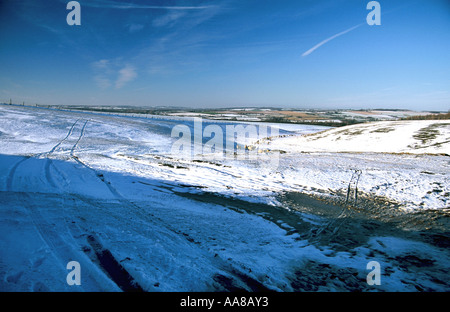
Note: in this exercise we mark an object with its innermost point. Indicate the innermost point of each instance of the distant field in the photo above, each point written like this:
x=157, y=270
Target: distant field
x=330, y=117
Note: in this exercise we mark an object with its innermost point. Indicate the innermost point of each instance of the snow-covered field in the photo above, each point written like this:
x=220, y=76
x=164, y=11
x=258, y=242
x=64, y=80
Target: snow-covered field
x=405, y=161
x=401, y=136
x=110, y=192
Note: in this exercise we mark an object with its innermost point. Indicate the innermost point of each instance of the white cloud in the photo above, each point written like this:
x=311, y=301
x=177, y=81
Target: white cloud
x=126, y=6
x=103, y=70
x=329, y=39
x=132, y=28
x=126, y=74
x=101, y=64
x=111, y=72
x=168, y=19
x=102, y=81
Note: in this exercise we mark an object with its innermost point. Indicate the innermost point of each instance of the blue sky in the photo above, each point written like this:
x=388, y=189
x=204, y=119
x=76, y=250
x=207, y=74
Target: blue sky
x=227, y=53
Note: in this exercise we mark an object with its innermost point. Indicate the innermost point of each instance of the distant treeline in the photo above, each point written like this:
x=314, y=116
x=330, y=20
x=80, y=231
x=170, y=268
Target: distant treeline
x=429, y=117
x=122, y=110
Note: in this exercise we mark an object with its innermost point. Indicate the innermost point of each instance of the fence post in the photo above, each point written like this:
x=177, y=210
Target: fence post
x=355, y=175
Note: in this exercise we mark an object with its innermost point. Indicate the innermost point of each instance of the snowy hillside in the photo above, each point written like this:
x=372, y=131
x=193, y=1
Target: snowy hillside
x=414, y=136
x=109, y=192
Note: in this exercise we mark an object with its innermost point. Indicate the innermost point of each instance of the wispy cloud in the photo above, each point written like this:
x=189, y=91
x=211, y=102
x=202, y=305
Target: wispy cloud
x=103, y=71
x=128, y=6
x=179, y=47
x=101, y=64
x=102, y=81
x=126, y=74
x=175, y=46
x=108, y=73
x=134, y=27
x=168, y=19
x=314, y=48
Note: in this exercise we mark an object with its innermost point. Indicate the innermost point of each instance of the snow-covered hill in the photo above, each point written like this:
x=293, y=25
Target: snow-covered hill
x=412, y=136
x=108, y=192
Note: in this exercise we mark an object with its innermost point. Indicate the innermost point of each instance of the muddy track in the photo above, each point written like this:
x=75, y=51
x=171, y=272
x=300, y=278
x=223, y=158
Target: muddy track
x=324, y=222
x=111, y=266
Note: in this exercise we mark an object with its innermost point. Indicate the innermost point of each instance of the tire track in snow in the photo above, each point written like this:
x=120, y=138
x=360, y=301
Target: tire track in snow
x=100, y=176
x=65, y=138
x=58, y=237
x=12, y=172
x=107, y=262
x=61, y=242
x=49, y=162
x=127, y=282
x=48, y=175
x=83, y=129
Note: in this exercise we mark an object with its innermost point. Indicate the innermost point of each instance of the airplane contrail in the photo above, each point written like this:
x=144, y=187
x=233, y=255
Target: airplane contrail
x=329, y=39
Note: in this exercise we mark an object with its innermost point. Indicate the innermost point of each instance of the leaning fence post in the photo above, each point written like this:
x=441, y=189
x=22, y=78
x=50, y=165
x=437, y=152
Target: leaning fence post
x=358, y=173
x=355, y=175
